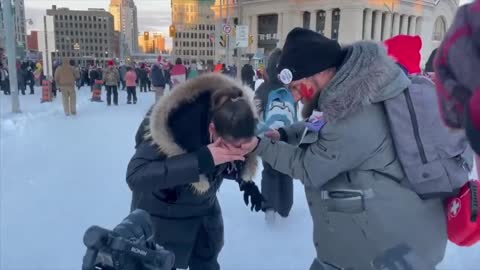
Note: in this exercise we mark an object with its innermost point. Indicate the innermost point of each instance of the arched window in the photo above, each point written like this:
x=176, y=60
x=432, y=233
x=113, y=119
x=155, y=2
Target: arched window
x=335, y=23
x=306, y=20
x=439, y=29
x=320, y=27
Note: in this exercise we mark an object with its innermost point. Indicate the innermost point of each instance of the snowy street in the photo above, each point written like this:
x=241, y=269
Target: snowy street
x=59, y=175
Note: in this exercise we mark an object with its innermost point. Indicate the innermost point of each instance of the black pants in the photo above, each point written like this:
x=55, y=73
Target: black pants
x=22, y=86
x=277, y=188
x=131, y=92
x=149, y=84
x=31, y=83
x=6, y=87
x=143, y=86
x=122, y=82
x=110, y=89
x=54, y=89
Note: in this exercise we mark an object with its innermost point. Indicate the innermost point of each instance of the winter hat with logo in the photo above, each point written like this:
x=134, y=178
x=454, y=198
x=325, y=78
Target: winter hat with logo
x=406, y=51
x=307, y=53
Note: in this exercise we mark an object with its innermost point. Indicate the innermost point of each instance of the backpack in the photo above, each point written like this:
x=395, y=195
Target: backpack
x=436, y=160
x=110, y=76
x=280, y=110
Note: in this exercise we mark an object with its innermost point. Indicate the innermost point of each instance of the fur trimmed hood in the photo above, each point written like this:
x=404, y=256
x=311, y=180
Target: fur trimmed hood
x=177, y=126
x=368, y=75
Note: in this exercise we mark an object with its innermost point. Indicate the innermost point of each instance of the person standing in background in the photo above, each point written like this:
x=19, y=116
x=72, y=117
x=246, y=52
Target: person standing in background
x=21, y=77
x=131, y=83
x=178, y=73
x=4, y=80
x=159, y=80
x=111, y=78
x=277, y=188
x=149, y=81
x=192, y=71
x=94, y=75
x=65, y=77
x=143, y=77
x=122, y=70
x=247, y=75
x=30, y=78
x=79, y=71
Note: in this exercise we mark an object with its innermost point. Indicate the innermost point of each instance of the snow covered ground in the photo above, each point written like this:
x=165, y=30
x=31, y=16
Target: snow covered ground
x=60, y=175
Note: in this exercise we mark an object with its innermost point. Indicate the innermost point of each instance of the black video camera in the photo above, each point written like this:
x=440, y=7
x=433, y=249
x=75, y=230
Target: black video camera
x=130, y=246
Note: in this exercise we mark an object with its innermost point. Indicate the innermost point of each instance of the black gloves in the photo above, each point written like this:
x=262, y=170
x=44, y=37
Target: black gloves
x=251, y=190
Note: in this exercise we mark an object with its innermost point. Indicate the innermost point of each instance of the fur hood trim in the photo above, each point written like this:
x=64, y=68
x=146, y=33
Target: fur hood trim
x=188, y=92
x=367, y=76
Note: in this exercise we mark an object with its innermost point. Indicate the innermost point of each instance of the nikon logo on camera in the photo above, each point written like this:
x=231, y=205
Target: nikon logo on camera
x=138, y=251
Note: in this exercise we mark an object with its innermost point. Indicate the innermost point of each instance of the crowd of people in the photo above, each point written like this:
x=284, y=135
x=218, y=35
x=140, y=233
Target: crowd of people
x=29, y=74
x=114, y=77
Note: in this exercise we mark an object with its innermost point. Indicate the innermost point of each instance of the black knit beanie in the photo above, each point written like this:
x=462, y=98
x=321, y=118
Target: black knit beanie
x=306, y=53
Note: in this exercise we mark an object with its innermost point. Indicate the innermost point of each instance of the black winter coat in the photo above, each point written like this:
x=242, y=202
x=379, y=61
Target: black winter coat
x=168, y=174
x=159, y=76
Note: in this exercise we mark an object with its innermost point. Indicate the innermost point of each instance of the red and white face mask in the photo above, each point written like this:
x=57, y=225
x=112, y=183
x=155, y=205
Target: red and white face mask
x=302, y=89
x=306, y=90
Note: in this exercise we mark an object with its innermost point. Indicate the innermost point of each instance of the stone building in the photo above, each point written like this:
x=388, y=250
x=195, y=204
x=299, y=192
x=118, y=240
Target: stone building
x=195, y=23
x=83, y=35
x=347, y=21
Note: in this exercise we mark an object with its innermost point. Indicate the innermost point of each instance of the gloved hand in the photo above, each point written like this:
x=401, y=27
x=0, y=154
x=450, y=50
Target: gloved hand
x=250, y=190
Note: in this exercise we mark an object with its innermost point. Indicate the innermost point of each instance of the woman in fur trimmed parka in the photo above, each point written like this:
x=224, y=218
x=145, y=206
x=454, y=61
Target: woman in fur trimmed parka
x=189, y=142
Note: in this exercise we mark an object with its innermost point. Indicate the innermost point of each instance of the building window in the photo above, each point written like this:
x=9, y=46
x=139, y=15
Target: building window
x=439, y=29
x=335, y=23
x=320, y=27
x=306, y=20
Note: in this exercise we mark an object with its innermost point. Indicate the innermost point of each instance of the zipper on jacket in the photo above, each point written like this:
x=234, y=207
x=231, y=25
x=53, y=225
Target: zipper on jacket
x=416, y=132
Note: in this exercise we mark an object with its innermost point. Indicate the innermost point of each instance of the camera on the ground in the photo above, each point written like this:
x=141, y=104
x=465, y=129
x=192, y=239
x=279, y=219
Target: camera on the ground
x=129, y=246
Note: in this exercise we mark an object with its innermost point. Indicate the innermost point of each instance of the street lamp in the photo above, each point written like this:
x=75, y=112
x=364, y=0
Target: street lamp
x=106, y=58
x=76, y=47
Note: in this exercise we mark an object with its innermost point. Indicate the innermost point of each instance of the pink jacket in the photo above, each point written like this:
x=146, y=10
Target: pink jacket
x=130, y=78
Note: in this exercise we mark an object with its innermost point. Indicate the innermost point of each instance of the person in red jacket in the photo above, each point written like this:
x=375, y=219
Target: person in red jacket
x=131, y=82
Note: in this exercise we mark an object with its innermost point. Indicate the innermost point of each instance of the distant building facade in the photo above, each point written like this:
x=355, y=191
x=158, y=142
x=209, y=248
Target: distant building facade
x=83, y=35
x=32, y=41
x=347, y=21
x=195, y=23
x=126, y=22
x=20, y=27
x=151, y=43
